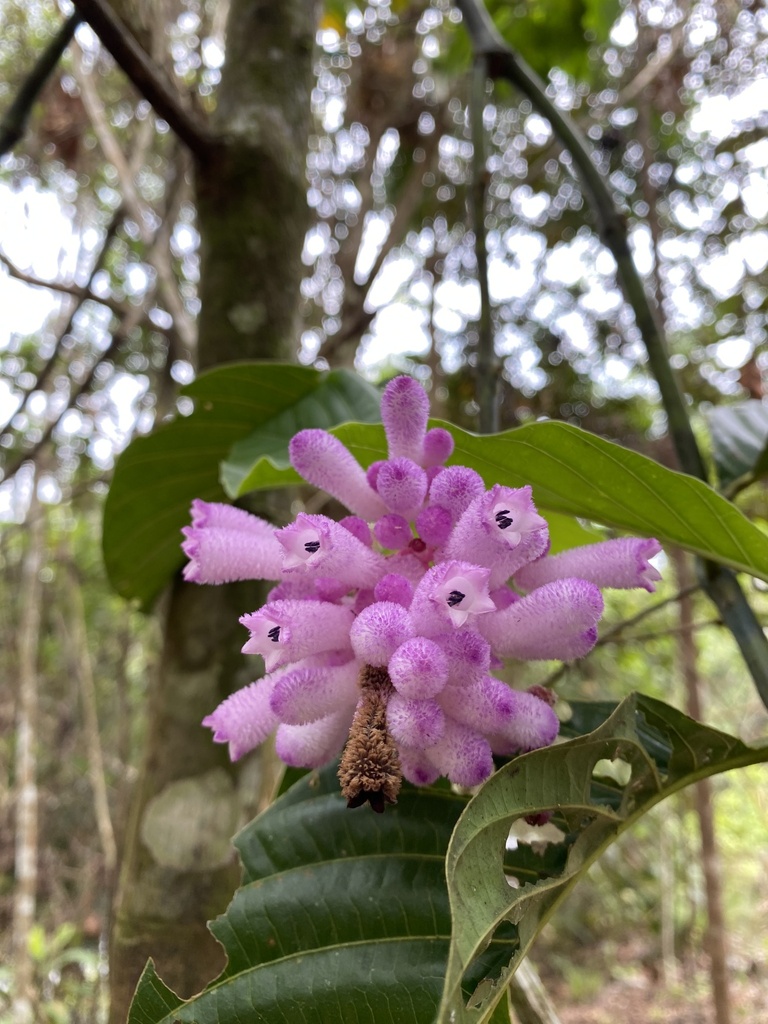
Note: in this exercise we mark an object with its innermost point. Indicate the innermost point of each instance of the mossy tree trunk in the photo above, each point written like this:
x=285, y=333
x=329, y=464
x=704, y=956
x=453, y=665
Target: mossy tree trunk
x=178, y=869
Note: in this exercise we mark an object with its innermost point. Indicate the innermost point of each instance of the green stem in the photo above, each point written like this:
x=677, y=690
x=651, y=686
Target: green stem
x=486, y=382
x=720, y=584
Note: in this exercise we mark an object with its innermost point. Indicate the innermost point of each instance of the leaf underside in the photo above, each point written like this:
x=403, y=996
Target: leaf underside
x=346, y=915
x=739, y=440
x=251, y=407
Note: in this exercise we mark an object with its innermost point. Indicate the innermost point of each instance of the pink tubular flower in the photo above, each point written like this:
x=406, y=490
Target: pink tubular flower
x=245, y=719
x=316, y=546
x=556, y=620
x=448, y=595
x=383, y=630
x=404, y=412
x=623, y=563
x=502, y=530
x=225, y=544
x=324, y=461
x=286, y=631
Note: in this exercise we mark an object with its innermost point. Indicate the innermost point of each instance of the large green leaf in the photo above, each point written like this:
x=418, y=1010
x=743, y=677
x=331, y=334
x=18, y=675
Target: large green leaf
x=579, y=474
x=254, y=407
x=346, y=916
x=739, y=440
x=491, y=890
x=343, y=915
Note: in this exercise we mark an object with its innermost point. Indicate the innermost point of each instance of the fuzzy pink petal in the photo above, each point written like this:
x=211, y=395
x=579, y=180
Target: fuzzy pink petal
x=557, y=620
x=622, y=563
x=455, y=488
x=502, y=530
x=418, y=668
x=314, y=744
x=316, y=546
x=450, y=594
x=285, y=631
x=438, y=446
x=402, y=486
x=244, y=719
x=415, y=723
x=222, y=555
x=379, y=630
x=404, y=412
x=305, y=694
x=462, y=754
x=326, y=463
x=533, y=724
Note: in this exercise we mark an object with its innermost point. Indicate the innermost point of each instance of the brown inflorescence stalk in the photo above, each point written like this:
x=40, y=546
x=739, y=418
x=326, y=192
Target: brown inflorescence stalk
x=370, y=768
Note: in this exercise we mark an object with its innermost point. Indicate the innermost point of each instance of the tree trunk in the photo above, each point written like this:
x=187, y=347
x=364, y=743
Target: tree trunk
x=716, y=935
x=178, y=869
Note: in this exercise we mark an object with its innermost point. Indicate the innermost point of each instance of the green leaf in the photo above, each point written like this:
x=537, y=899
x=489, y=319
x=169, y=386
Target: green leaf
x=346, y=915
x=157, y=476
x=579, y=474
x=342, y=916
x=739, y=440
x=590, y=811
x=557, y=33
x=343, y=397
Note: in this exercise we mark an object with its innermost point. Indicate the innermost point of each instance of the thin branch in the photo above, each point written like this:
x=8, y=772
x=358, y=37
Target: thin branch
x=653, y=68
x=80, y=292
x=140, y=211
x=650, y=609
x=75, y=633
x=143, y=73
x=354, y=323
x=14, y=121
x=504, y=63
x=109, y=145
x=42, y=377
x=27, y=796
x=720, y=584
x=132, y=319
x=486, y=381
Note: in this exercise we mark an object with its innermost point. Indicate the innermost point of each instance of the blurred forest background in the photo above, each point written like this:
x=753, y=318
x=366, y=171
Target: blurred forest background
x=111, y=300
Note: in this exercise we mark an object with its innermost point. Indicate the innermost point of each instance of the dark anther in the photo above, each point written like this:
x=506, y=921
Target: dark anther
x=455, y=597
x=417, y=545
x=274, y=634
x=503, y=519
x=373, y=797
x=312, y=546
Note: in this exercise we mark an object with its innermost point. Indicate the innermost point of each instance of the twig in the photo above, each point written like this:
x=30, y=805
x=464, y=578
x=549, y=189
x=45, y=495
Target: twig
x=504, y=63
x=157, y=255
x=77, y=291
x=27, y=796
x=486, y=380
x=131, y=320
x=354, y=323
x=657, y=61
x=720, y=584
x=14, y=121
x=648, y=610
x=45, y=372
x=143, y=74
x=74, y=630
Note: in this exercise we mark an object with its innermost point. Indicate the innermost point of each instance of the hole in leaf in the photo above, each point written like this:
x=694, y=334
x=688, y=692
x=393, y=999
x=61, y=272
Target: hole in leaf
x=617, y=769
x=482, y=975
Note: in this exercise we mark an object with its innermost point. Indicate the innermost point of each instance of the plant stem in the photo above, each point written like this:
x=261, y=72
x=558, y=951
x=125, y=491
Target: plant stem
x=720, y=584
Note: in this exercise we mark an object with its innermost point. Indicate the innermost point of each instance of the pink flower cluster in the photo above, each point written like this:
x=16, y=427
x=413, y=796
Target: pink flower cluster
x=385, y=628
